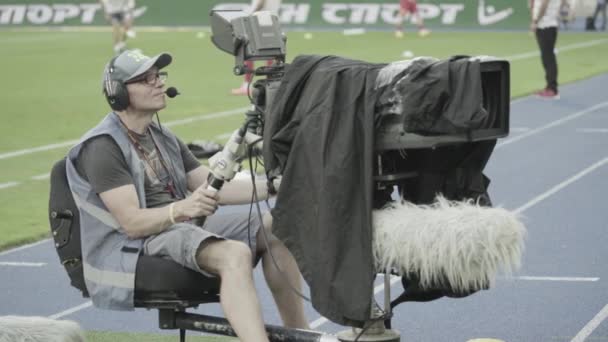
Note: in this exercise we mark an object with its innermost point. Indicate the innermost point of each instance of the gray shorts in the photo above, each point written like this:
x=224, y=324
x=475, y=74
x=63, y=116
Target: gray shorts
x=181, y=241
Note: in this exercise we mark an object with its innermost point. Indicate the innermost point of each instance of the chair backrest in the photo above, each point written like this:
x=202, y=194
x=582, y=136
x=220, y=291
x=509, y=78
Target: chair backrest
x=65, y=226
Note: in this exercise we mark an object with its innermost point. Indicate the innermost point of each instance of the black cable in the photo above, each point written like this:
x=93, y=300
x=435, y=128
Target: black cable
x=257, y=204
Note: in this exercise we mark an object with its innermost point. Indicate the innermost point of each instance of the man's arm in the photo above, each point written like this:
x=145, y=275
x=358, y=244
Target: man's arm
x=123, y=204
x=541, y=11
x=237, y=191
x=103, y=165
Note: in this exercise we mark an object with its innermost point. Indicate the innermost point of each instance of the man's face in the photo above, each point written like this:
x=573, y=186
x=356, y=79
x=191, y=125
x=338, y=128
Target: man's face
x=146, y=92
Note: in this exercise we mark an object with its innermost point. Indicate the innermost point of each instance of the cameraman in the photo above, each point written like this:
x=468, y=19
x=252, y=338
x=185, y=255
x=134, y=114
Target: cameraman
x=137, y=187
x=256, y=5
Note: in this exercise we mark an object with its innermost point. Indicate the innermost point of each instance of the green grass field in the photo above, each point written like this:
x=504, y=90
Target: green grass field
x=51, y=91
x=51, y=94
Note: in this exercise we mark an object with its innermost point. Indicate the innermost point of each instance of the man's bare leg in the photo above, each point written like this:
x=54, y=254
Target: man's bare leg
x=232, y=261
x=280, y=282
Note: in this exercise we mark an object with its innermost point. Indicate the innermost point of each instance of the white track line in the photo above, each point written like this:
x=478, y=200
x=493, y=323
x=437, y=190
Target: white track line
x=594, y=323
x=592, y=130
x=563, y=120
x=535, y=278
x=379, y=288
x=203, y=117
x=560, y=186
x=22, y=264
x=20, y=248
x=71, y=310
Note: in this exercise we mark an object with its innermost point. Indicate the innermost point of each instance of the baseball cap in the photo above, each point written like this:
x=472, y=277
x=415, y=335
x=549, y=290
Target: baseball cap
x=132, y=63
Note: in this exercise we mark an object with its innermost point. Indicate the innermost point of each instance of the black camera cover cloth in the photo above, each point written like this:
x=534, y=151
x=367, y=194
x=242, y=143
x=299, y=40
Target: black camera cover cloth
x=319, y=134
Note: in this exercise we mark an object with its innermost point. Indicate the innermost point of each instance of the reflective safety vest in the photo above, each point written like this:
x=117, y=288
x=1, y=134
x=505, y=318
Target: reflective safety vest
x=109, y=257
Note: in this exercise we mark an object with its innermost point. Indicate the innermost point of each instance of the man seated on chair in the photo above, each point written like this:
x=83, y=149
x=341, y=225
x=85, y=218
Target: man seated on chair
x=138, y=188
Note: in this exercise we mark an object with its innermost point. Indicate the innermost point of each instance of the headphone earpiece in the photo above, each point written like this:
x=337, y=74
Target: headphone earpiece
x=115, y=91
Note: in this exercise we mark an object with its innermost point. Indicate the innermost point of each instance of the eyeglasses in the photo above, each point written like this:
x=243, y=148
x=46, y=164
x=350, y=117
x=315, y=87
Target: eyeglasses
x=151, y=78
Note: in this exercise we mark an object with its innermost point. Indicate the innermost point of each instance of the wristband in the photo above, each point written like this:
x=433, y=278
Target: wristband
x=171, y=217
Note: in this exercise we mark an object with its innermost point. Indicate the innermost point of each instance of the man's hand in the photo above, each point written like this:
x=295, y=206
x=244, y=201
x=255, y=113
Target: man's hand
x=533, y=26
x=202, y=202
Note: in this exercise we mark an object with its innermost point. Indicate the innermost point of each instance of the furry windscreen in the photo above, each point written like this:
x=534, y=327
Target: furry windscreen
x=459, y=245
x=38, y=329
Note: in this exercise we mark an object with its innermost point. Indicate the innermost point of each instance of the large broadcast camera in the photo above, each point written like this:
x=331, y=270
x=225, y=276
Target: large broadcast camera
x=419, y=164
x=247, y=38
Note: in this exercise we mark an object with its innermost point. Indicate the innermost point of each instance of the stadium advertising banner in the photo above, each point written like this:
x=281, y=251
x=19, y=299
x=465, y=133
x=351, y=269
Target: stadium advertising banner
x=313, y=14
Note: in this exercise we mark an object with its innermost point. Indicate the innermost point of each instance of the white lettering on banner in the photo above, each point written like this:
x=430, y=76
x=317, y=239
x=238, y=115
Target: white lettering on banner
x=330, y=13
x=450, y=11
x=88, y=12
x=352, y=13
x=40, y=14
x=357, y=13
x=15, y=13
x=294, y=13
x=364, y=13
x=63, y=12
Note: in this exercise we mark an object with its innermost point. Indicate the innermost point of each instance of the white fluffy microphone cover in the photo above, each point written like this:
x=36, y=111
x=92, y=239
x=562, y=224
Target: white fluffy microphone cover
x=460, y=245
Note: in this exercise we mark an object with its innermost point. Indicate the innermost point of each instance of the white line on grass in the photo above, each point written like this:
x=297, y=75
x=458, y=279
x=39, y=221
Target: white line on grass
x=8, y=185
x=42, y=176
x=203, y=117
x=322, y=320
x=535, y=278
x=71, y=310
x=22, y=264
x=594, y=323
x=563, y=120
x=560, y=186
x=7, y=155
x=576, y=46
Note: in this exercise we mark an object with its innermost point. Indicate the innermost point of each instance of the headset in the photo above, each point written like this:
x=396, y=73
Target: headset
x=115, y=91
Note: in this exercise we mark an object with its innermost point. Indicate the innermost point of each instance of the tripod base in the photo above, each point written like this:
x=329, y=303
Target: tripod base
x=388, y=335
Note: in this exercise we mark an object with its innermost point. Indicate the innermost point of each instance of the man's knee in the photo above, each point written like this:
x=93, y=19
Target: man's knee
x=223, y=256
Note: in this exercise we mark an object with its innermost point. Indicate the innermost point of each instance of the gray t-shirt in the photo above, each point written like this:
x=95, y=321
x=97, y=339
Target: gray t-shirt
x=103, y=165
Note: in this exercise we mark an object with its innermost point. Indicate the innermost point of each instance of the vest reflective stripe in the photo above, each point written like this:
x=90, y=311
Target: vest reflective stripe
x=108, y=278
x=96, y=212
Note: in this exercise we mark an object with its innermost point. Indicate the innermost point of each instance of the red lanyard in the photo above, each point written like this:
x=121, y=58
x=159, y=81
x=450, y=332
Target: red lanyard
x=142, y=153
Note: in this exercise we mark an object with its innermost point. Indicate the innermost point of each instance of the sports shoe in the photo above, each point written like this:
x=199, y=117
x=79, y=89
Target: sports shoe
x=242, y=90
x=399, y=34
x=548, y=94
x=423, y=32
x=131, y=34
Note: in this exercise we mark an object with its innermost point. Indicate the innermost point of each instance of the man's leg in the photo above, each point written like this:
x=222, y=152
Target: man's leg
x=231, y=260
x=283, y=282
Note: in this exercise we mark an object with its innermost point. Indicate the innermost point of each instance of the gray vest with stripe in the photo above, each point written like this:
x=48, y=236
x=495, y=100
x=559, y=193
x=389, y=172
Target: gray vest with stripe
x=109, y=256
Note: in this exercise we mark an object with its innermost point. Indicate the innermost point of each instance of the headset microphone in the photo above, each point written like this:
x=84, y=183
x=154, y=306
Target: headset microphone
x=172, y=92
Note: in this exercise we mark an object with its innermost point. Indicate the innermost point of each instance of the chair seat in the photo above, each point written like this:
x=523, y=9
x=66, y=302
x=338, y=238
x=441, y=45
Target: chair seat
x=158, y=279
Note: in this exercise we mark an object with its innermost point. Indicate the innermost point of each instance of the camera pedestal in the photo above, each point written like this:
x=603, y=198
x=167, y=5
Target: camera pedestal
x=374, y=329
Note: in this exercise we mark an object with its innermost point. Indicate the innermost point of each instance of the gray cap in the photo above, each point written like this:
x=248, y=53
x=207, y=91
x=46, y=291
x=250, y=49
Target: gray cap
x=132, y=63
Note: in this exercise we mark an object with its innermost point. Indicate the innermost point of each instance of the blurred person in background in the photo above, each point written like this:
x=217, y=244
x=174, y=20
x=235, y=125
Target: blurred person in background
x=600, y=7
x=256, y=5
x=409, y=9
x=120, y=14
x=544, y=24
